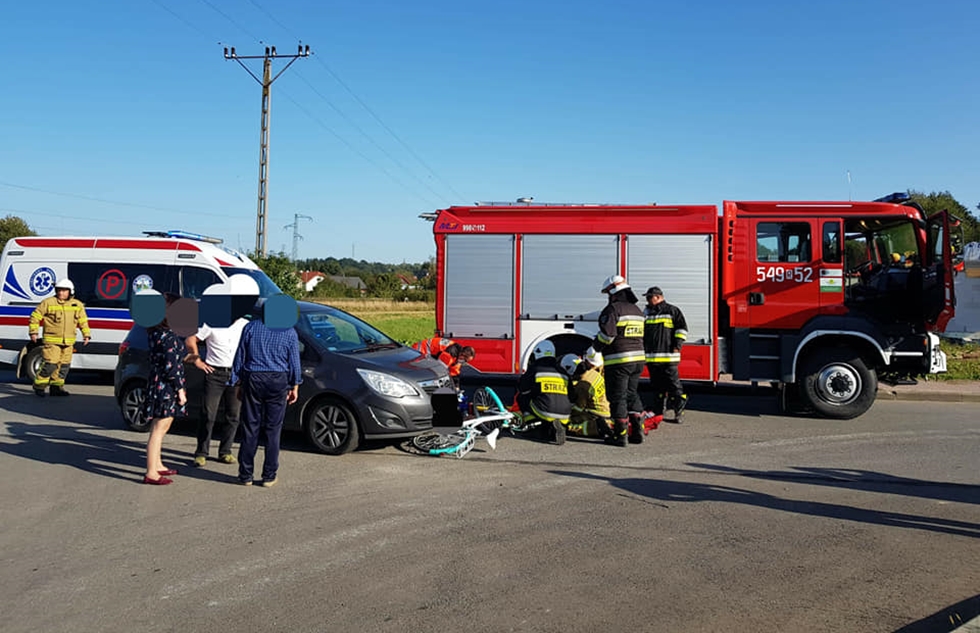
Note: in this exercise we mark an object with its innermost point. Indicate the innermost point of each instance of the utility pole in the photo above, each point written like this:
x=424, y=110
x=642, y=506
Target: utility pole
x=266, y=83
x=296, y=236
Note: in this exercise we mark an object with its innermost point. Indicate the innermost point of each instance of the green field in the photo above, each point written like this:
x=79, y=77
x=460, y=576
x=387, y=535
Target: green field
x=406, y=322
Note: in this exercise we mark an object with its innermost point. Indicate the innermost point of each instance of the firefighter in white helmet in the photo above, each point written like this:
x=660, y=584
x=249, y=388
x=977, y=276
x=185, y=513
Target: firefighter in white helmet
x=542, y=393
x=620, y=341
x=62, y=315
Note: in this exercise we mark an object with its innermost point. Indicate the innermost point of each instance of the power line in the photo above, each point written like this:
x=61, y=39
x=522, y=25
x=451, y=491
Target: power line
x=364, y=105
x=66, y=217
x=296, y=236
x=372, y=141
x=135, y=205
x=266, y=83
x=357, y=151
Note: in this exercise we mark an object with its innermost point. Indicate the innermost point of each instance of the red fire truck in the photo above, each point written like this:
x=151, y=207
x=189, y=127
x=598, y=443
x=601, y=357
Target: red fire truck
x=818, y=298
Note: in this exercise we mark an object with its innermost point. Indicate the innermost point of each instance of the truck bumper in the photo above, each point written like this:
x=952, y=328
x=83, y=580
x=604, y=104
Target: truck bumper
x=937, y=357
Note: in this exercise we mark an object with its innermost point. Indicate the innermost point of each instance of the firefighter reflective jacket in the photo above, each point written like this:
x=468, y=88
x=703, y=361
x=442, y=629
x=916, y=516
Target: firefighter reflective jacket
x=444, y=350
x=620, y=337
x=590, y=393
x=544, y=387
x=664, y=332
x=61, y=319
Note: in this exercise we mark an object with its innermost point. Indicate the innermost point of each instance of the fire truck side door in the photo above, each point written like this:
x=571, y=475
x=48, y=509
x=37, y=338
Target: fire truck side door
x=831, y=271
x=783, y=283
x=939, y=298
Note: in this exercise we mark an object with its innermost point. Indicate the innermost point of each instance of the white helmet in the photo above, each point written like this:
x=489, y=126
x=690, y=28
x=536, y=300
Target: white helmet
x=66, y=283
x=614, y=283
x=569, y=362
x=543, y=349
x=593, y=357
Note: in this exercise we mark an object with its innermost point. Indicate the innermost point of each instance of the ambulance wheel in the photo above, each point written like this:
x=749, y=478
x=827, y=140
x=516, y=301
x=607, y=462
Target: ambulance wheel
x=131, y=406
x=837, y=383
x=33, y=361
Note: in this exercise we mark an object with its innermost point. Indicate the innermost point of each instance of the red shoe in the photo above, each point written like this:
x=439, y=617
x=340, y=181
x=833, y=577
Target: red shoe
x=162, y=481
x=168, y=472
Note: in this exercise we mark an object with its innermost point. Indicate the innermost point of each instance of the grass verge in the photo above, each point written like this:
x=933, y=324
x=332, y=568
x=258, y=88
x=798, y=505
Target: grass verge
x=962, y=361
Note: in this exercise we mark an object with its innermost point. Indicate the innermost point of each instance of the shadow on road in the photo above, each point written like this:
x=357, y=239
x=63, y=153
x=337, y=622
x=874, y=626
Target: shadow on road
x=81, y=448
x=681, y=491
x=946, y=620
x=863, y=480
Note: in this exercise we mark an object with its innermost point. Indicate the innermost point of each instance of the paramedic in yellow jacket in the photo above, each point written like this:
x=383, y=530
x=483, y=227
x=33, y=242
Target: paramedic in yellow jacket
x=62, y=315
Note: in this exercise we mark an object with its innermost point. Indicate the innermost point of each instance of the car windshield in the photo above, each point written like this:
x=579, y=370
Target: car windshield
x=267, y=287
x=337, y=331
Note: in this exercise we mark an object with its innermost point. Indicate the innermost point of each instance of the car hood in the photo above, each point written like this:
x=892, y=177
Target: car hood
x=403, y=362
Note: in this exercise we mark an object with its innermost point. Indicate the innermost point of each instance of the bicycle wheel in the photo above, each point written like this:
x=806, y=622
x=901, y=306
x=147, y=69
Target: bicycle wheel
x=486, y=400
x=434, y=443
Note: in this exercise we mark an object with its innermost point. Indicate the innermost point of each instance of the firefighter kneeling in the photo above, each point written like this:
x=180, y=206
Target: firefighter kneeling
x=590, y=408
x=542, y=394
x=590, y=415
x=62, y=315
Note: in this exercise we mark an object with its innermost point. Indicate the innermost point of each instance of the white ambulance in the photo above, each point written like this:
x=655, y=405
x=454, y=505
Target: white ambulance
x=106, y=271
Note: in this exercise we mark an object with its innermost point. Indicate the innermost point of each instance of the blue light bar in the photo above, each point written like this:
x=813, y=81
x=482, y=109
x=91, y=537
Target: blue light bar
x=896, y=198
x=185, y=235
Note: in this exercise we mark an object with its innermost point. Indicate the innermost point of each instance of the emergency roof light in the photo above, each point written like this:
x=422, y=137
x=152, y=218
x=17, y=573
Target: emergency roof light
x=895, y=198
x=185, y=235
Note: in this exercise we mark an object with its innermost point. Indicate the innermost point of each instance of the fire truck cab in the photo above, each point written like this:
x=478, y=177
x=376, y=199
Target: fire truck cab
x=819, y=298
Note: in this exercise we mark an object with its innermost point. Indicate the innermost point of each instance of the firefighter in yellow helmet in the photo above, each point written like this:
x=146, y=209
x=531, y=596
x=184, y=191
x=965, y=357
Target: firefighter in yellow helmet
x=62, y=315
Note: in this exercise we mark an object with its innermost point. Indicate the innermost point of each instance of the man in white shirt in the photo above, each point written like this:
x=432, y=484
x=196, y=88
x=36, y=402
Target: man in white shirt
x=221, y=342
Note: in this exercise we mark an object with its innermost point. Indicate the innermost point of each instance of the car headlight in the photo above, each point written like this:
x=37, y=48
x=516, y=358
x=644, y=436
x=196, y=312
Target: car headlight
x=386, y=384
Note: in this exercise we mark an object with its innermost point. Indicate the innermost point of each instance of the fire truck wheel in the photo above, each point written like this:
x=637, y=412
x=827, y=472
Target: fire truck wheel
x=32, y=363
x=331, y=427
x=837, y=383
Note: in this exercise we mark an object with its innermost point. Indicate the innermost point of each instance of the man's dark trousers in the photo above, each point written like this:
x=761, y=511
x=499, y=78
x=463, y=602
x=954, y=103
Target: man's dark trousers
x=666, y=384
x=622, y=385
x=263, y=410
x=216, y=391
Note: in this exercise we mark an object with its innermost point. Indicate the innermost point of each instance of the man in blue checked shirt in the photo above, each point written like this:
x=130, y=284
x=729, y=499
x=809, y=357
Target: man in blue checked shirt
x=266, y=374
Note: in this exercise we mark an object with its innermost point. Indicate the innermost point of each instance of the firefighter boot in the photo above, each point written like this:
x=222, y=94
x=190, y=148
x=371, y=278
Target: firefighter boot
x=559, y=432
x=636, y=428
x=679, y=404
x=618, y=437
x=659, y=400
x=58, y=390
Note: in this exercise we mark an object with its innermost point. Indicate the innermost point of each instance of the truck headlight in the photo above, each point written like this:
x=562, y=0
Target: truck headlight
x=386, y=384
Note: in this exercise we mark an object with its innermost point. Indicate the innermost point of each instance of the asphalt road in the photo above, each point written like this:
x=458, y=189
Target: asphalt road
x=738, y=520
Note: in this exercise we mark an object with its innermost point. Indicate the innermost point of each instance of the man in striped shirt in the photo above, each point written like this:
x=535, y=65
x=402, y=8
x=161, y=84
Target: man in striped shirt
x=266, y=374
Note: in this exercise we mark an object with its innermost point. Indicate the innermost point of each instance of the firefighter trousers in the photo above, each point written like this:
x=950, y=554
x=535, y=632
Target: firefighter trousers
x=57, y=362
x=666, y=384
x=622, y=385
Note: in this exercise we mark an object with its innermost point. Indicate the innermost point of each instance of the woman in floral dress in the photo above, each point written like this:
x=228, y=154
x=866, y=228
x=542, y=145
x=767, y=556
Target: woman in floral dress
x=165, y=395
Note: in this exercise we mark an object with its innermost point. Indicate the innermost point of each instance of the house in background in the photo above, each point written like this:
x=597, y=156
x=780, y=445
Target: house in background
x=350, y=282
x=310, y=278
x=407, y=282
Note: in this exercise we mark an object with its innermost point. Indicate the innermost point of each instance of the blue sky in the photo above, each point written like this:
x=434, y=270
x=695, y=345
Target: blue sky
x=128, y=109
